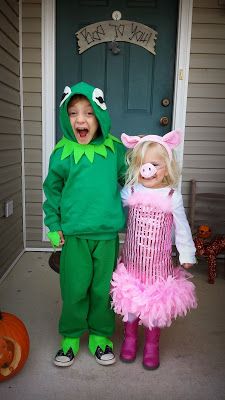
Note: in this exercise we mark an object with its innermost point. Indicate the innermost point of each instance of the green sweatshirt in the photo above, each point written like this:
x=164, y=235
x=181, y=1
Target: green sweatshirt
x=81, y=188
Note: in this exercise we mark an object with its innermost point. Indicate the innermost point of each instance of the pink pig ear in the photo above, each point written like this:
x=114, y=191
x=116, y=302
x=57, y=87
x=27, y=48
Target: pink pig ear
x=173, y=138
x=130, y=141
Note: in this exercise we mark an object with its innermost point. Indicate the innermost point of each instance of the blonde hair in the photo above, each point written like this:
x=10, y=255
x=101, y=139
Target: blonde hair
x=135, y=158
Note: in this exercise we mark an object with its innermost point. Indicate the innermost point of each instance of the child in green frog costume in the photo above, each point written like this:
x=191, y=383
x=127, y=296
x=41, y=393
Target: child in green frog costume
x=84, y=214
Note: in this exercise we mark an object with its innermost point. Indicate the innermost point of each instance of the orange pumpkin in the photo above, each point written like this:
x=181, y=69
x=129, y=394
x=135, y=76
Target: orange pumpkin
x=14, y=345
x=204, y=231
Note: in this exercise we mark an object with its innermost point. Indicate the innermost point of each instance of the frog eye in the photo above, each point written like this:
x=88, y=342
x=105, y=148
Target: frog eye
x=65, y=95
x=98, y=98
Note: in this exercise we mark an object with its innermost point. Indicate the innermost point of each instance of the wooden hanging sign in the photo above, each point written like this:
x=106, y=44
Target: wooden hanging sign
x=116, y=31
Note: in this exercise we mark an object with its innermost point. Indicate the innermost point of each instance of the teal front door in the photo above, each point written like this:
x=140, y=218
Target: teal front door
x=138, y=85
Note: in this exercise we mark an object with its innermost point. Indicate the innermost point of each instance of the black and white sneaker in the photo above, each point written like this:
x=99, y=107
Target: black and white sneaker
x=64, y=360
x=106, y=357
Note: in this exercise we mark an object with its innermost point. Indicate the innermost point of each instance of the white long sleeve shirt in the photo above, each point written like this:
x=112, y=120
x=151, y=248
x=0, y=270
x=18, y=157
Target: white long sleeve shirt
x=182, y=232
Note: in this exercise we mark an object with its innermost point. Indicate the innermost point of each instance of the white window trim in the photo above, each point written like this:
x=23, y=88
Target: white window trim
x=49, y=87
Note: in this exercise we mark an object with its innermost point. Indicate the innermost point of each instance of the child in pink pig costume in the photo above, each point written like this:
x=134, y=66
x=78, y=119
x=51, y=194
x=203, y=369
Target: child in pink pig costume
x=146, y=288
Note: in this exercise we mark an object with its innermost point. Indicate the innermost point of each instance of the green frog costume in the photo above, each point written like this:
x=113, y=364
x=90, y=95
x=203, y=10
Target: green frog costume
x=83, y=201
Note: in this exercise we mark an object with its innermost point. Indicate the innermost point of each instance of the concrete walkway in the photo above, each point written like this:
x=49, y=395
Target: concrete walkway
x=192, y=349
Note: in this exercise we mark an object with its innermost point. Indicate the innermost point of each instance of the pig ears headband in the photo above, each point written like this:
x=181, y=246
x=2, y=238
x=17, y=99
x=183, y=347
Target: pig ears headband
x=168, y=141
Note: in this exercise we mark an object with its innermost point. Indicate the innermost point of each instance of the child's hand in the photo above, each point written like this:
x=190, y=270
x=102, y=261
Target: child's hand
x=187, y=266
x=62, y=240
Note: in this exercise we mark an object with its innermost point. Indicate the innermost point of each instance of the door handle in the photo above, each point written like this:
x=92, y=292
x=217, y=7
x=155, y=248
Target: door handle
x=164, y=121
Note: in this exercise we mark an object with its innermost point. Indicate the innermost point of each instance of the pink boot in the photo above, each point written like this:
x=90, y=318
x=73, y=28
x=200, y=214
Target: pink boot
x=129, y=345
x=151, y=348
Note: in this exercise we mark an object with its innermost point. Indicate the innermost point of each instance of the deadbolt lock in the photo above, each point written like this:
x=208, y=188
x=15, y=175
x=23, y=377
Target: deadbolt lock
x=165, y=102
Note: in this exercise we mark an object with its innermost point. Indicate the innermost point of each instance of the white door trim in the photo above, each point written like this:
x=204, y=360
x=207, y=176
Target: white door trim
x=49, y=88
x=182, y=70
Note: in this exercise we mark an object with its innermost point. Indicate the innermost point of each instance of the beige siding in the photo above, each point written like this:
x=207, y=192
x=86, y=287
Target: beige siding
x=32, y=120
x=11, y=228
x=204, y=150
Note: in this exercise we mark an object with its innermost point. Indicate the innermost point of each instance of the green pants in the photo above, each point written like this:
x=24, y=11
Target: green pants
x=86, y=268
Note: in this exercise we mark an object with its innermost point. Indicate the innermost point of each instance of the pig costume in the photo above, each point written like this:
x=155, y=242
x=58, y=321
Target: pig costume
x=145, y=283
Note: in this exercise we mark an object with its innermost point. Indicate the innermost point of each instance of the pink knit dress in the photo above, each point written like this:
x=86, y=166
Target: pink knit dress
x=145, y=282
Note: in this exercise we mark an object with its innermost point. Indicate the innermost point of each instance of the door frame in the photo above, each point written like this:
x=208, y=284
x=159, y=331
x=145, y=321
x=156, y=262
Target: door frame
x=48, y=46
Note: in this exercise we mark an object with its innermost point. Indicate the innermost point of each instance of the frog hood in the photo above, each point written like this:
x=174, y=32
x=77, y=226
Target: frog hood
x=96, y=98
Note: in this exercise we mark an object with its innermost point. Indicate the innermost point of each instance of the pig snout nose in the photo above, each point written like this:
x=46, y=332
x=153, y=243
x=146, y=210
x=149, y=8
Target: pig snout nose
x=147, y=170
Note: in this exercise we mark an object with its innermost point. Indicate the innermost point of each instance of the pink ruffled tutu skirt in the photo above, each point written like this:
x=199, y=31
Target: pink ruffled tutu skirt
x=156, y=304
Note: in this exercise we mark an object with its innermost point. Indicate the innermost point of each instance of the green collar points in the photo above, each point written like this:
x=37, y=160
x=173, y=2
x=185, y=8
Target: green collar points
x=88, y=150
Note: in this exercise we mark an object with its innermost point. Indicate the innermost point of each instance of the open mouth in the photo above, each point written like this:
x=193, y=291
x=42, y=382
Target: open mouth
x=82, y=132
x=149, y=179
